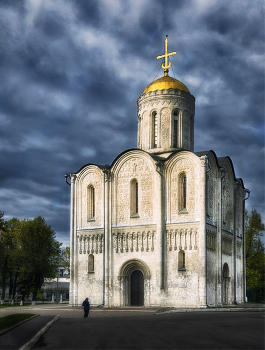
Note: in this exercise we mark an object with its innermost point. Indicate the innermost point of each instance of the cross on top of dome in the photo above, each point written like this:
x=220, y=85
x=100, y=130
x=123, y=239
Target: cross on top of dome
x=166, y=64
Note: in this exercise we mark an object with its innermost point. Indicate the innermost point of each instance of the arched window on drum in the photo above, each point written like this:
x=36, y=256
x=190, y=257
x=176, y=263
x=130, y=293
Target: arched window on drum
x=90, y=203
x=175, y=129
x=154, y=130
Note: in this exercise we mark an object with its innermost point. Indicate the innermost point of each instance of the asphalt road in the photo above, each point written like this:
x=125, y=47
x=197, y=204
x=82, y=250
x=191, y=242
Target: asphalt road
x=192, y=330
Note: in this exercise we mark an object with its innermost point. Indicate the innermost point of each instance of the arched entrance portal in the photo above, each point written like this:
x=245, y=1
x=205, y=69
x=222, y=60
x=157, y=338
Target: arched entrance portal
x=134, y=277
x=225, y=286
x=137, y=288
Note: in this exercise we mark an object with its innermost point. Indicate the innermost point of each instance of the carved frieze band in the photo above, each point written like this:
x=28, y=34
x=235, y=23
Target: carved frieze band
x=182, y=239
x=227, y=245
x=90, y=243
x=239, y=249
x=133, y=241
x=175, y=102
x=211, y=240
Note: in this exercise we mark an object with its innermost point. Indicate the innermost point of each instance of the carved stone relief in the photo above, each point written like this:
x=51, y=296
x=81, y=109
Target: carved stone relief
x=139, y=169
x=227, y=244
x=187, y=166
x=239, y=211
x=185, y=130
x=92, y=178
x=165, y=127
x=182, y=239
x=210, y=197
x=133, y=241
x=227, y=201
x=211, y=240
x=144, y=136
x=239, y=249
x=91, y=243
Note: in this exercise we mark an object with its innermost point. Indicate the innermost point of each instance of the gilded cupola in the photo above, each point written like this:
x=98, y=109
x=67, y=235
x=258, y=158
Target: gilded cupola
x=166, y=113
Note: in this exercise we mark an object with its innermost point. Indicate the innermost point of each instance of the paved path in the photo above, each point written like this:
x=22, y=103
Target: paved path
x=192, y=330
x=138, y=328
x=22, y=334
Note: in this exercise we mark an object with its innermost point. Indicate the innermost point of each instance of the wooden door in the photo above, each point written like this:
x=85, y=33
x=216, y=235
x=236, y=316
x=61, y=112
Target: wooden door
x=137, y=288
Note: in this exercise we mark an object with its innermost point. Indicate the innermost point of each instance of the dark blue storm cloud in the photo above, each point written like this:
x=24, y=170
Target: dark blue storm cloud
x=71, y=72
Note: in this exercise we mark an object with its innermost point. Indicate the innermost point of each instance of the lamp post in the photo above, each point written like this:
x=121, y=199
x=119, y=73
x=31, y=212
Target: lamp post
x=57, y=297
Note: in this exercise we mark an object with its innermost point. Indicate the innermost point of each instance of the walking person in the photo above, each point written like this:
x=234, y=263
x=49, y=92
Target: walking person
x=86, y=305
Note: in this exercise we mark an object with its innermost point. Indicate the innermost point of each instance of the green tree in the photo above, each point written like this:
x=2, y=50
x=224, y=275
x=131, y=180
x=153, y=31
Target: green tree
x=65, y=261
x=8, y=257
x=13, y=228
x=3, y=255
x=255, y=257
x=38, y=255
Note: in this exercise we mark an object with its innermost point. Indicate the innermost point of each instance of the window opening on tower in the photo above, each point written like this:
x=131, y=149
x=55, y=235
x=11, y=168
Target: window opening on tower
x=175, y=130
x=155, y=130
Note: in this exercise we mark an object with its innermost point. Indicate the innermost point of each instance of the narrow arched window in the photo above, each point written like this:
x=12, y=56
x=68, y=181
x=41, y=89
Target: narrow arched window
x=134, y=198
x=175, y=129
x=207, y=193
x=181, y=260
x=183, y=192
x=184, y=189
x=154, y=130
x=90, y=263
x=90, y=202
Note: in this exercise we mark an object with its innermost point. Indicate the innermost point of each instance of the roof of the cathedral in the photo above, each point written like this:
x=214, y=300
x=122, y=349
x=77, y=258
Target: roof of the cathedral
x=166, y=83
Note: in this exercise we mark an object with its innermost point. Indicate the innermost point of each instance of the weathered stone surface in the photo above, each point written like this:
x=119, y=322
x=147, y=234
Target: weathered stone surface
x=172, y=214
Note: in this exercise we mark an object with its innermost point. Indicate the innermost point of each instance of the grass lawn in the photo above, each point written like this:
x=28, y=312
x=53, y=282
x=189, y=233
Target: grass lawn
x=16, y=304
x=11, y=320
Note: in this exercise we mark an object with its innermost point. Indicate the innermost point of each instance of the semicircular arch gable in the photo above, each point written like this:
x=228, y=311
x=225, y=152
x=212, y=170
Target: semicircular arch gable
x=179, y=157
x=91, y=169
x=228, y=165
x=135, y=154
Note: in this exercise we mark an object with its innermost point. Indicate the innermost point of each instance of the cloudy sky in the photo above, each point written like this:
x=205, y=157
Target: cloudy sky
x=72, y=70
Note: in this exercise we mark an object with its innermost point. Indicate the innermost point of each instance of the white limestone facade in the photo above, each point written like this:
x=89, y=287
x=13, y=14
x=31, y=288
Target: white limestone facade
x=162, y=225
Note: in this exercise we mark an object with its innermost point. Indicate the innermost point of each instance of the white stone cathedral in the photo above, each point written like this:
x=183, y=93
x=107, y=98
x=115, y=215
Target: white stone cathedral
x=163, y=225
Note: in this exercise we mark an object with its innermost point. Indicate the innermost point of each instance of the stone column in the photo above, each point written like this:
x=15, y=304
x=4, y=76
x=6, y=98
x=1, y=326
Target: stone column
x=160, y=227
x=107, y=233
x=73, y=243
x=218, y=300
x=202, y=235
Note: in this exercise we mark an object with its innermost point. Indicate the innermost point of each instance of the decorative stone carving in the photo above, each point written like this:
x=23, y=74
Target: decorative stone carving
x=211, y=240
x=227, y=199
x=133, y=241
x=239, y=248
x=186, y=130
x=210, y=196
x=182, y=239
x=91, y=243
x=183, y=166
x=92, y=177
x=140, y=170
x=165, y=127
x=226, y=244
x=164, y=102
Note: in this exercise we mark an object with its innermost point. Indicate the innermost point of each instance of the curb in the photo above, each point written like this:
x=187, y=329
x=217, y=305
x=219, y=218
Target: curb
x=16, y=325
x=211, y=310
x=36, y=337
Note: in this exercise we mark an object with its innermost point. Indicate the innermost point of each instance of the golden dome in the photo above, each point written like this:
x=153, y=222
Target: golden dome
x=166, y=83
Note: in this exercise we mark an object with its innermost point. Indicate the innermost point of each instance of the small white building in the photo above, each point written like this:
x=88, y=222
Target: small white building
x=163, y=225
